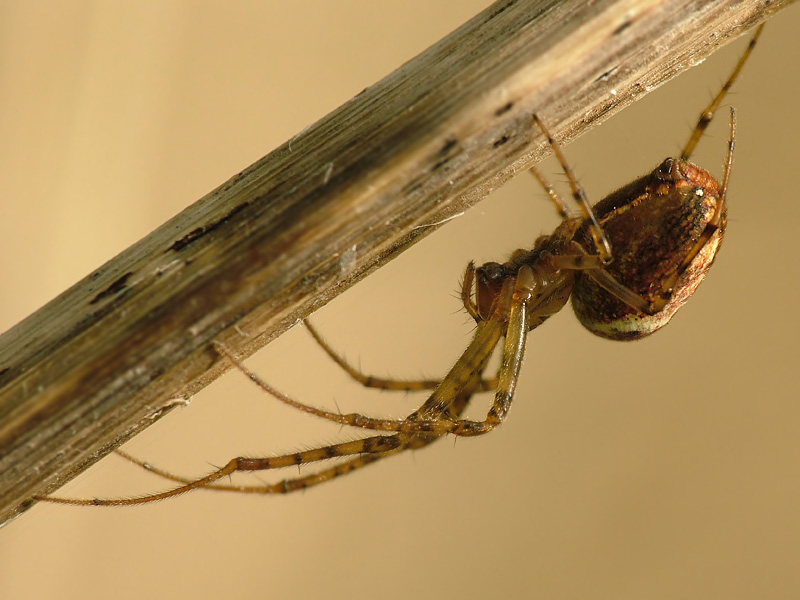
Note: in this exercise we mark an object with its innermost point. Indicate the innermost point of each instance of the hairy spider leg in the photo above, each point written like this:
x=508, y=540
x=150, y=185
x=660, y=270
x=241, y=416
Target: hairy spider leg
x=708, y=113
x=600, y=239
x=403, y=441
x=370, y=381
x=285, y=486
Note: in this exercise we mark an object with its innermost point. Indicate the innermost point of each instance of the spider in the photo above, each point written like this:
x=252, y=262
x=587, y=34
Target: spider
x=628, y=264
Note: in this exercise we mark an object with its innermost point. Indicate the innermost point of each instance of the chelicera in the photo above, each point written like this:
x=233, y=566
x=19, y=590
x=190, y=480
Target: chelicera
x=628, y=263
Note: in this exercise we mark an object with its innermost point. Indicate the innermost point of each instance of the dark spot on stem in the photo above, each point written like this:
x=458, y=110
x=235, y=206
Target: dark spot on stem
x=504, y=109
x=115, y=288
x=449, y=144
x=196, y=234
x=500, y=141
x=445, y=153
x=440, y=164
x=606, y=75
x=622, y=27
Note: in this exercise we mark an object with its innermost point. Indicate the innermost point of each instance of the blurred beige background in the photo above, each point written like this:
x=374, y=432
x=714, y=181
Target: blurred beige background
x=666, y=468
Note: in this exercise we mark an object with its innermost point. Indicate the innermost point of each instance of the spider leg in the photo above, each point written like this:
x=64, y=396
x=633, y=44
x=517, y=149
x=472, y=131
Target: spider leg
x=708, y=112
x=561, y=206
x=453, y=410
x=377, y=445
x=306, y=481
x=408, y=385
x=515, y=305
x=473, y=360
x=594, y=267
x=432, y=420
x=280, y=487
x=600, y=239
x=513, y=301
x=368, y=450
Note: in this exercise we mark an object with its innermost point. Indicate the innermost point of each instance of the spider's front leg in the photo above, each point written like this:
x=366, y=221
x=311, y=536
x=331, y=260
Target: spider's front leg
x=509, y=317
x=513, y=352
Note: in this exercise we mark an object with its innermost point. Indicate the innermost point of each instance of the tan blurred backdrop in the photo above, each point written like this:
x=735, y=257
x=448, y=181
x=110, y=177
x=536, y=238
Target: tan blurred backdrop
x=666, y=468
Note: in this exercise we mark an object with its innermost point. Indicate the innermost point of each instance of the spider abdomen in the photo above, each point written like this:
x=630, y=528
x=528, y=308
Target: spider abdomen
x=664, y=232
